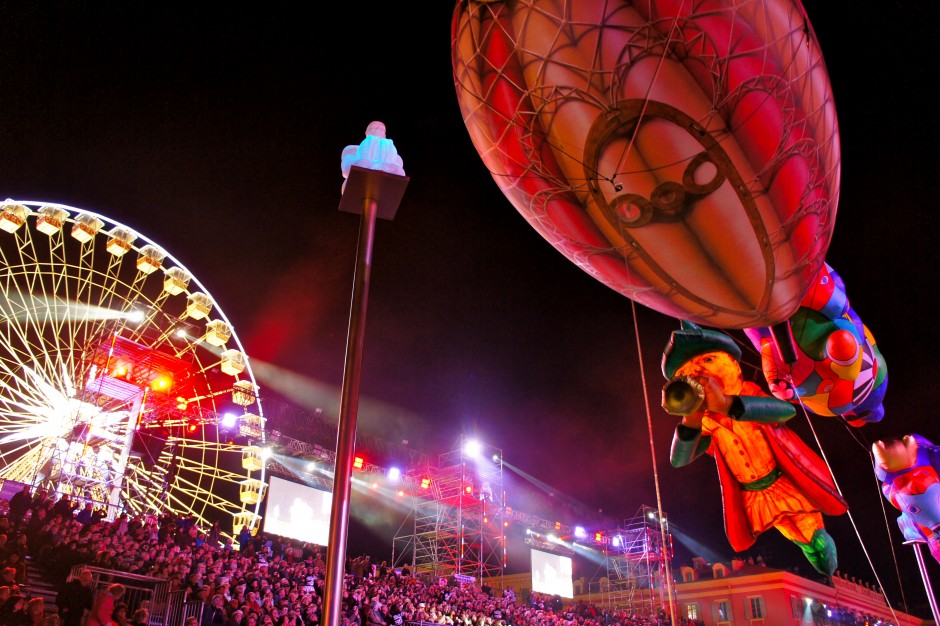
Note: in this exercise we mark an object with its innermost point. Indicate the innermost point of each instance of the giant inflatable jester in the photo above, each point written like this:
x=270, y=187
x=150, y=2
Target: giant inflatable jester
x=769, y=477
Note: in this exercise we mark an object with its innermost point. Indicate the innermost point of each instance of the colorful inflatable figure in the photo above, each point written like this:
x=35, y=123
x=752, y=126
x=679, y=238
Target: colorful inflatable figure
x=837, y=368
x=908, y=469
x=769, y=477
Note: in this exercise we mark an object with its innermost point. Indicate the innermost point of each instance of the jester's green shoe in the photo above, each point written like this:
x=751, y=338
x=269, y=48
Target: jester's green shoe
x=821, y=552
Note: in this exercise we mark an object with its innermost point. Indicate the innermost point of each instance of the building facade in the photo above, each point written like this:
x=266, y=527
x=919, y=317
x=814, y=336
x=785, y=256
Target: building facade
x=747, y=594
x=743, y=594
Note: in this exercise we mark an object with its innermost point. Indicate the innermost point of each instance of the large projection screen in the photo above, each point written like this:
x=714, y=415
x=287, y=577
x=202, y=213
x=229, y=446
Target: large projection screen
x=551, y=574
x=298, y=512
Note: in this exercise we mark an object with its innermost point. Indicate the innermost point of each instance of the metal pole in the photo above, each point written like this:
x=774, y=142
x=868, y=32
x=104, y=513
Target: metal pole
x=349, y=407
x=931, y=599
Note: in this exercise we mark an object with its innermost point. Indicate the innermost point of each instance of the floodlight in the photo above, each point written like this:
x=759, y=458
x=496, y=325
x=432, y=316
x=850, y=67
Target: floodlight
x=472, y=448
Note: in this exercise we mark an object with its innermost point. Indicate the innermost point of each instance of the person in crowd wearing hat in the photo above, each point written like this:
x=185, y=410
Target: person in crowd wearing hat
x=375, y=616
x=237, y=618
x=769, y=477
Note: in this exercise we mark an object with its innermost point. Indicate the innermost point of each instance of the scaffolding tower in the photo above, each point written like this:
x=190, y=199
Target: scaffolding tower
x=638, y=557
x=117, y=396
x=459, y=506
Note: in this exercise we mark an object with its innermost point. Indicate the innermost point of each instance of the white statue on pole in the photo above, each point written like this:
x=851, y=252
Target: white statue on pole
x=376, y=152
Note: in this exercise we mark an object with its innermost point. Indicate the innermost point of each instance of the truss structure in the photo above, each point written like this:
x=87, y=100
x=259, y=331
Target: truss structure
x=458, y=515
x=92, y=460
x=637, y=563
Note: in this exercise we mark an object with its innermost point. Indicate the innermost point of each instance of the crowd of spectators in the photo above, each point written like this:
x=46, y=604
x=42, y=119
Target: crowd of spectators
x=261, y=581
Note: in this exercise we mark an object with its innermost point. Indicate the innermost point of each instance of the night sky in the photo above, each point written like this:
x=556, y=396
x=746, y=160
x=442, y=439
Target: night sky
x=218, y=133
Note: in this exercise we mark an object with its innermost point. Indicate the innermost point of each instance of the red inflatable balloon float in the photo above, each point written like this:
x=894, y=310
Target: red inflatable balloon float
x=684, y=154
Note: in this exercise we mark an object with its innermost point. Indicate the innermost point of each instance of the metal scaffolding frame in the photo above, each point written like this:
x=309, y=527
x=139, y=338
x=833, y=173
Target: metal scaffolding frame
x=74, y=466
x=457, y=518
x=637, y=563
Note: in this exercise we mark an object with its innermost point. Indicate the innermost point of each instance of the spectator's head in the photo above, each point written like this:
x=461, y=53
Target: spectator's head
x=85, y=577
x=116, y=590
x=120, y=612
x=35, y=606
x=141, y=616
x=8, y=574
x=5, y=592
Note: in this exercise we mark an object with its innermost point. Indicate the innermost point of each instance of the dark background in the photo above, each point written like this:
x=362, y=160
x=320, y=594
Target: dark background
x=217, y=133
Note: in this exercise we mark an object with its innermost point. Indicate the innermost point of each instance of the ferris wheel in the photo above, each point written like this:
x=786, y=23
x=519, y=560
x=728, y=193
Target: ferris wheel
x=122, y=383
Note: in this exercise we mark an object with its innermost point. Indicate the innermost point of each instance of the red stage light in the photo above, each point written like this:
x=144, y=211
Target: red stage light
x=425, y=483
x=192, y=427
x=469, y=489
x=598, y=537
x=358, y=462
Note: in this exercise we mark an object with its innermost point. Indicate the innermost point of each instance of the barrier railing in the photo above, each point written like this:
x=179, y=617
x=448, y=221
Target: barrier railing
x=137, y=590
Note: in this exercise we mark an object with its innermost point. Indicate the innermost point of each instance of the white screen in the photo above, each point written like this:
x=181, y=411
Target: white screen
x=298, y=512
x=551, y=574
